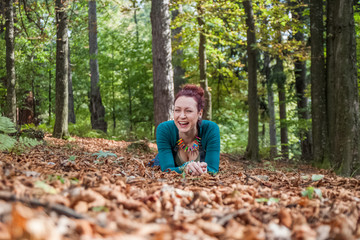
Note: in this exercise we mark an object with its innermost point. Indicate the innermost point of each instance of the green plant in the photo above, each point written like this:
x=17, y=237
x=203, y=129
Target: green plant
x=52, y=178
x=311, y=192
x=6, y=127
x=72, y=158
x=9, y=143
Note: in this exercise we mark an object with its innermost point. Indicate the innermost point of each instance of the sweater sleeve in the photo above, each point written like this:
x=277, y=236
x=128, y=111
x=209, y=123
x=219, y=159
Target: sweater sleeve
x=163, y=140
x=212, y=149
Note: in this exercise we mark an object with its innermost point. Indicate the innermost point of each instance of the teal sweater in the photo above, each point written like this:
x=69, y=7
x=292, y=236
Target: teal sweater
x=167, y=135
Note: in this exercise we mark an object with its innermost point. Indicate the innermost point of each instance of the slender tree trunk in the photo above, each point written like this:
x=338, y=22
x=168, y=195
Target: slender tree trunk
x=281, y=79
x=202, y=66
x=252, y=150
x=10, y=61
x=135, y=21
x=50, y=108
x=72, y=118
x=130, y=105
x=97, y=109
x=33, y=106
x=318, y=85
x=113, y=93
x=162, y=69
x=178, y=57
x=62, y=67
x=343, y=87
x=271, y=107
x=300, y=85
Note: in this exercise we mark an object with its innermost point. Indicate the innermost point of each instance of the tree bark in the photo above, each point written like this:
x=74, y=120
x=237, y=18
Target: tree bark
x=343, y=87
x=271, y=106
x=318, y=85
x=252, y=150
x=162, y=69
x=97, y=109
x=72, y=118
x=10, y=61
x=300, y=85
x=178, y=57
x=281, y=79
x=207, y=113
x=62, y=67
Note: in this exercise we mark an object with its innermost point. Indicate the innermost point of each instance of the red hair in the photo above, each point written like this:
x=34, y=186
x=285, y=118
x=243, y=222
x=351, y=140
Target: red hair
x=191, y=90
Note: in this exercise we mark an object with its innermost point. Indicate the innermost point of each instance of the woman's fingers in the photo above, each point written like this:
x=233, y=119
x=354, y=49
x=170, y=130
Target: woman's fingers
x=194, y=168
x=203, y=164
x=198, y=167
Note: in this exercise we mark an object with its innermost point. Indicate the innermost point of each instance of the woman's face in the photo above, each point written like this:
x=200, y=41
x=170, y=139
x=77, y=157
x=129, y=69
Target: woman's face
x=186, y=114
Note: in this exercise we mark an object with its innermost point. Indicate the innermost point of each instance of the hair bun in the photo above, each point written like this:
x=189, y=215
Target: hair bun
x=195, y=89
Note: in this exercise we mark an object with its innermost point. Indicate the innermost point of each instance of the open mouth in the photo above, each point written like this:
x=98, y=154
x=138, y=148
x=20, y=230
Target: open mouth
x=183, y=124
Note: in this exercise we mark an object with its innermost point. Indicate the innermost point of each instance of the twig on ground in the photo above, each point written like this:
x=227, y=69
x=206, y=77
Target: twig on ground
x=61, y=209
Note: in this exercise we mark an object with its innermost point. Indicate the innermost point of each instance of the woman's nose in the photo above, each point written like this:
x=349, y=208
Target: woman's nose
x=182, y=115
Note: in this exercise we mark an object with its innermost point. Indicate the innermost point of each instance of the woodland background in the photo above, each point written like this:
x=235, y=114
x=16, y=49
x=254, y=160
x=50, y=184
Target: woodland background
x=281, y=76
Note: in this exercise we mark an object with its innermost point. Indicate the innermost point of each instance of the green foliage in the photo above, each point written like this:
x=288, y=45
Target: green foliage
x=72, y=158
x=311, y=193
x=83, y=129
x=102, y=154
x=8, y=143
x=52, y=178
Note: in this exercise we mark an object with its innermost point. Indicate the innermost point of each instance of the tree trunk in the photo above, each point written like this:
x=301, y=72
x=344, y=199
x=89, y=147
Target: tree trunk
x=318, y=85
x=252, y=150
x=343, y=87
x=130, y=105
x=162, y=69
x=50, y=108
x=202, y=66
x=97, y=109
x=179, y=72
x=113, y=90
x=271, y=106
x=62, y=67
x=72, y=118
x=281, y=79
x=300, y=85
x=10, y=61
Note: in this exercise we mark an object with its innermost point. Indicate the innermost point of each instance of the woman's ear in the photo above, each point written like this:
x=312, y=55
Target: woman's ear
x=200, y=113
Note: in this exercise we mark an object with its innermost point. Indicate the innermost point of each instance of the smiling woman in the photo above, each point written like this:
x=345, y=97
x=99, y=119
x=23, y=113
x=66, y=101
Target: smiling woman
x=188, y=143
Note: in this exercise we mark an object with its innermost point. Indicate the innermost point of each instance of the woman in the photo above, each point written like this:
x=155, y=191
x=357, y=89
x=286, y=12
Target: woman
x=188, y=143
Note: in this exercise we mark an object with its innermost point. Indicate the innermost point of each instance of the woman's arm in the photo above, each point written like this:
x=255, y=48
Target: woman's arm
x=163, y=140
x=212, y=157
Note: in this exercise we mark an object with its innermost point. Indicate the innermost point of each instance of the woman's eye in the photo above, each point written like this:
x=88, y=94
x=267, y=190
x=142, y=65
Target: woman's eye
x=189, y=111
x=177, y=110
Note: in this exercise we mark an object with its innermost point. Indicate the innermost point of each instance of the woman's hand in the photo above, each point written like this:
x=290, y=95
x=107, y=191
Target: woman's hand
x=203, y=166
x=196, y=168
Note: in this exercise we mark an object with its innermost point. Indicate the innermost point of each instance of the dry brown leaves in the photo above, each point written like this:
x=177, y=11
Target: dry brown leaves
x=62, y=191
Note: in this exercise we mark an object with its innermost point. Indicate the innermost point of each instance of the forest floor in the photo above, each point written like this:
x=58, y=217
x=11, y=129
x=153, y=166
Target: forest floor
x=71, y=190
